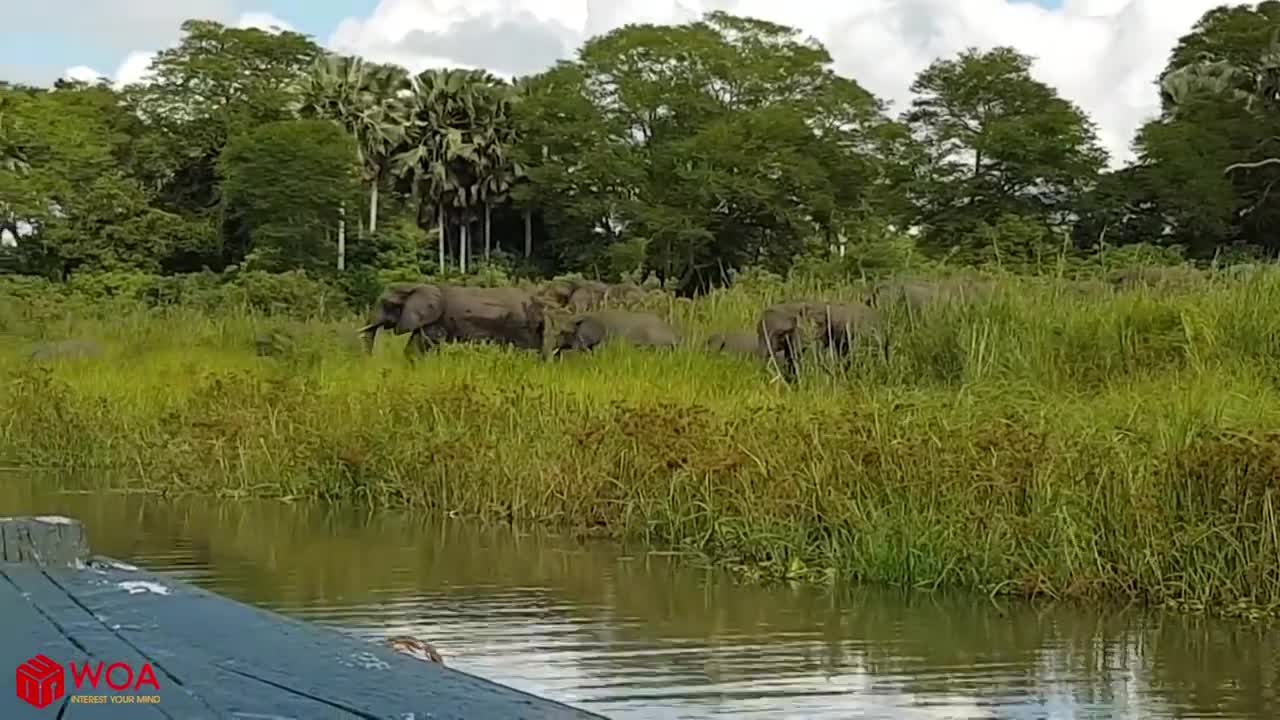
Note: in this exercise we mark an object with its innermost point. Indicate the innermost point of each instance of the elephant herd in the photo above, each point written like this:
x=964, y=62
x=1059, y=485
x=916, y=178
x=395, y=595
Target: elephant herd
x=582, y=315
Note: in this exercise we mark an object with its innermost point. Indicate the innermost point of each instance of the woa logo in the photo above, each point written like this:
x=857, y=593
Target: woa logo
x=40, y=681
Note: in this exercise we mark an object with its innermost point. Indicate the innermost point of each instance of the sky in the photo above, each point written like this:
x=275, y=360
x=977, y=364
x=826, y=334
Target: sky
x=1102, y=54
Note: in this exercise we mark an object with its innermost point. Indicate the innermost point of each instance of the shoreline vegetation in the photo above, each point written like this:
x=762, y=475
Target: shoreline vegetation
x=1065, y=438
x=185, y=262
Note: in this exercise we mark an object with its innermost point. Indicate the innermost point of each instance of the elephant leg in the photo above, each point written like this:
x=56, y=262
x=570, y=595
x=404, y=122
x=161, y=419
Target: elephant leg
x=790, y=351
x=367, y=337
x=418, y=345
x=773, y=347
x=838, y=348
x=411, y=350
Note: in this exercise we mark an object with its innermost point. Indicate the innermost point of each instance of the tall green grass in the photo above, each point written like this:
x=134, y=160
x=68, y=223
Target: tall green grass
x=1056, y=440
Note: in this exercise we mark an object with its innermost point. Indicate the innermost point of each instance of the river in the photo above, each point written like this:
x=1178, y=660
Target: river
x=634, y=634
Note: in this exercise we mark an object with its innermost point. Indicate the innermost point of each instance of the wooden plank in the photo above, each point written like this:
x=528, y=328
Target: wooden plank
x=210, y=656
x=25, y=632
x=255, y=662
x=94, y=642
x=50, y=540
x=315, y=662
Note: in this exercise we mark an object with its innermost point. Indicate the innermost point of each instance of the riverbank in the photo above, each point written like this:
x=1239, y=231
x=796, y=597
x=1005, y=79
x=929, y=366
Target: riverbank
x=1081, y=445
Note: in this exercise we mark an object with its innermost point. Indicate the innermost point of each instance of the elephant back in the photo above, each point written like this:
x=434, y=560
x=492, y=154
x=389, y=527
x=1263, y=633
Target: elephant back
x=640, y=328
x=504, y=314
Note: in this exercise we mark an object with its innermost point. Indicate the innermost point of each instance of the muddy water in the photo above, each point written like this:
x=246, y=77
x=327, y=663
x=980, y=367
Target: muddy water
x=632, y=634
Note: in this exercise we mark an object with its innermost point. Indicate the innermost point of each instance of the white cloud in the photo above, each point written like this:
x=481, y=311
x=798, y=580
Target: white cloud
x=82, y=73
x=263, y=21
x=134, y=66
x=1102, y=54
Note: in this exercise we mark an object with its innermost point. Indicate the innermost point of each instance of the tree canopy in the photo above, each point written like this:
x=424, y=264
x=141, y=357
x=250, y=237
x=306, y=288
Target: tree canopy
x=684, y=151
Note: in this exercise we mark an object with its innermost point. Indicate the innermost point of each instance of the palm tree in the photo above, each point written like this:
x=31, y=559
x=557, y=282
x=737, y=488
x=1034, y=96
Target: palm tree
x=521, y=88
x=451, y=138
x=361, y=97
x=496, y=139
x=1253, y=85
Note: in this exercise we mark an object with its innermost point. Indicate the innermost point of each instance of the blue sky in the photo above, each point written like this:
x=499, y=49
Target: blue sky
x=46, y=46
x=318, y=17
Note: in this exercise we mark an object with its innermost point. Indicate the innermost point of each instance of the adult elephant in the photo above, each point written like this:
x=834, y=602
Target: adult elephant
x=919, y=294
x=508, y=316
x=595, y=295
x=1170, y=277
x=914, y=297
x=735, y=342
x=785, y=329
x=589, y=330
x=580, y=296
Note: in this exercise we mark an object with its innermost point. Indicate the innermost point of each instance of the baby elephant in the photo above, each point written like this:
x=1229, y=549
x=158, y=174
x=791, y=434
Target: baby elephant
x=586, y=331
x=736, y=342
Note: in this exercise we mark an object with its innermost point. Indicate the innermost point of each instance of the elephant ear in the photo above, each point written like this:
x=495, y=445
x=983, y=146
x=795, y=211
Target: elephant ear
x=424, y=306
x=590, y=329
x=557, y=317
x=535, y=311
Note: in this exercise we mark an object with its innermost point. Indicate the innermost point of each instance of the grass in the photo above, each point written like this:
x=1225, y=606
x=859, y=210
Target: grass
x=1050, y=442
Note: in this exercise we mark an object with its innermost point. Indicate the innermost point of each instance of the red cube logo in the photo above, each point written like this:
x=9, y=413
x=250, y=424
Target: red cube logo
x=40, y=681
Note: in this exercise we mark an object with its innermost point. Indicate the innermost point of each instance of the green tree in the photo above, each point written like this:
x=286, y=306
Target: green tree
x=283, y=184
x=218, y=82
x=1121, y=209
x=998, y=143
x=453, y=133
x=717, y=143
x=1205, y=158
x=497, y=169
x=361, y=97
x=73, y=187
x=13, y=156
x=580, y=169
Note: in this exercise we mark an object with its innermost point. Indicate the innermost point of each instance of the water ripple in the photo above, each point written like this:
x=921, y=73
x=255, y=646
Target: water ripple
x=638, y=635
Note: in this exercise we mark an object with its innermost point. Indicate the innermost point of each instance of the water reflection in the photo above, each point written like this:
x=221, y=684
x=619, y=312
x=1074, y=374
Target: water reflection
x=637, y=635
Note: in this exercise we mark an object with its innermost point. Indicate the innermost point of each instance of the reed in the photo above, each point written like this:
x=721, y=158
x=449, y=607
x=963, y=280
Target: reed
x=1056, y=440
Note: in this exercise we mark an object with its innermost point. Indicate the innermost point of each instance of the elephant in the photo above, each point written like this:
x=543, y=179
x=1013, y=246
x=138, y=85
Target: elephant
x=588, y=296
x=588, y=330
x=783, y=330
x=274, y=342
x=68, y=349
x=917, y=294
x=1086, y=288
x=1175, y=277
x=560, y=292
x=1241, y=271
x=593, y=296
x=580, y=296
x=738, y=342
x=507, y=316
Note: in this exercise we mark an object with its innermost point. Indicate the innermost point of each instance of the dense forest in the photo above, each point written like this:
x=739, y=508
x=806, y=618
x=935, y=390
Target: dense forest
x=684, y=152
